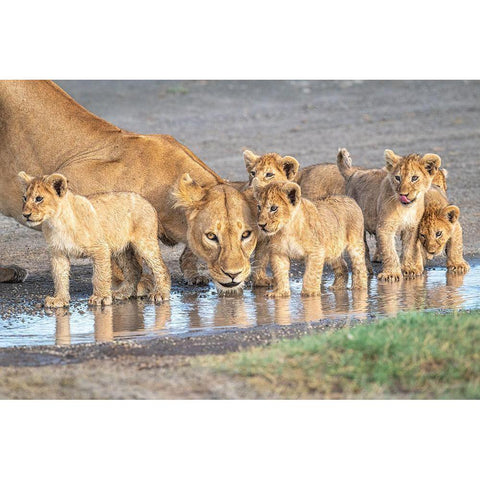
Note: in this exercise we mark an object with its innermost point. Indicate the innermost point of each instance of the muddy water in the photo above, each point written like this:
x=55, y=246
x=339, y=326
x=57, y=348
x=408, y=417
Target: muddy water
x=198, y=309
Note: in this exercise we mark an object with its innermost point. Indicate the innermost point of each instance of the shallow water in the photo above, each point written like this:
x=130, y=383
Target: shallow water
x=202, y=310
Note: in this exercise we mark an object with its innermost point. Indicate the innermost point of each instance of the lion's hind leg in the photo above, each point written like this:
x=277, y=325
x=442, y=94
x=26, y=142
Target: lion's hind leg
x=131, y=270
x=149, y=250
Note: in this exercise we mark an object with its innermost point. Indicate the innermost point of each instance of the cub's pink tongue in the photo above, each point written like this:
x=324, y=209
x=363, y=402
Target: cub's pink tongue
x=404, y=199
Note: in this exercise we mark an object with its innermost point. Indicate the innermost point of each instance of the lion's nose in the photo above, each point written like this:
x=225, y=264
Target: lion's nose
x=232, y=275
x=27, y=215
x=262, y=225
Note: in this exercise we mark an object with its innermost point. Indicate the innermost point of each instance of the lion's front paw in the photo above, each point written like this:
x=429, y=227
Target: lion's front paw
x=198, y=279
x=411, y=271
x=309, y=292
x=100, y=300
x=390, y=275
x=124, y=292
x=262, y=281
x=159, y=296
x=56, y=302
x=460, y=267
x=278, y=294
x=145, y=286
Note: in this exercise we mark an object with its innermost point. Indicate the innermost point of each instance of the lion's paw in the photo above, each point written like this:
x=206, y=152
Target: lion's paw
x=99, y=300
x=460, y=267
x=390, y=275
x=159, y=297
x=200, y=280
x=262, y=281
x=411, y=271
x=56, y=302
x=306, y=292
x=278, y=294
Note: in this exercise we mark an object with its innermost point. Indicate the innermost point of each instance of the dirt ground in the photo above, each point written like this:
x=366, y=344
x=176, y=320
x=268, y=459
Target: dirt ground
x=309, y=120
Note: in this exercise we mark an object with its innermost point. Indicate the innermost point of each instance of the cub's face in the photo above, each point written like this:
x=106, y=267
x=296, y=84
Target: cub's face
x=277, y=203
x=436, y=228
x=411, y=176
x=269, y=167
x=42, y=198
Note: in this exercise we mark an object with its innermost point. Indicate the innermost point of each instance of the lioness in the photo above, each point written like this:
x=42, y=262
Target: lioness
x=207, y=233
x=392, y=201
x=440, y=230
x=317, y=231
x=100, y=226
x=43, y=130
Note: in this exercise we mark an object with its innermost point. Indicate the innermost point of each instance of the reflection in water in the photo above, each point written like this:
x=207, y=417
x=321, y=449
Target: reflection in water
x=194, y=309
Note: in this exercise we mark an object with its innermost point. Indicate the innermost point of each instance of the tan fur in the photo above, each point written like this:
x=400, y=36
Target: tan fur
x=441, y=231
x=317, y=231
x=99, y=227
x=379, y=193
x=316, y=182
x=221, y=230
x=44, y=130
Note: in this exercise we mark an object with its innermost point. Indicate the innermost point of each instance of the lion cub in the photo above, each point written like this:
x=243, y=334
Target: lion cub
x=392, y=201
x=441, y=231
x=101, y=226
x=316, y=181
x=318, y=232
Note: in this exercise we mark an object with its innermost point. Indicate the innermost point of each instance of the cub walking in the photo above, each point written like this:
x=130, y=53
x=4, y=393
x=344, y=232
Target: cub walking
x=317, y=231
x=101, y=226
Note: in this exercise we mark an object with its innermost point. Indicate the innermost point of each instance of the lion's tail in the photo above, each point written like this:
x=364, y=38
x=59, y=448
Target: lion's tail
x=344, y=163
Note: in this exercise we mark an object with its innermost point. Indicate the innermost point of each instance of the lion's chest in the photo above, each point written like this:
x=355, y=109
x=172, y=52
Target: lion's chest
x=63, y=239
x=292, y=247
x=409, y=216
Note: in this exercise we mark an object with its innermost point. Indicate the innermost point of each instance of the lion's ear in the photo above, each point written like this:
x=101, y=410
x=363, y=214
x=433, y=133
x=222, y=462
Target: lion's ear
x=290, y=166
x=25, y=178
x=293, y=192
x=250, y=159
x=391, y=159
x=452, y=212
x=431, y=162
x=440, y=179
x=188, y=193
x=58, y=182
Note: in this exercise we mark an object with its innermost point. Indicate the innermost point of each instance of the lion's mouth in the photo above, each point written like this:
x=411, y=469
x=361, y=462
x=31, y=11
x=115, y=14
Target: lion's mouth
x=33, y=223
x=404, y=200
x=230, y=284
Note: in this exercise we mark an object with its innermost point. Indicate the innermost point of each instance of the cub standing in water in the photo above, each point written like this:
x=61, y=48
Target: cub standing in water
x=318, y=232
x=118, y=224
x=440, y=229
x=392, y=202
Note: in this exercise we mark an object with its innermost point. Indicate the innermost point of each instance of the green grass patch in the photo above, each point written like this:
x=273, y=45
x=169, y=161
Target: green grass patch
x=414, y=355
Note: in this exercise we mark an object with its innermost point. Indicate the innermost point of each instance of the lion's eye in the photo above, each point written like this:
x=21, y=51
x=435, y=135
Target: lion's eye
x=38, y=199
x=212, y=236
x=397, y=178
x=259, y=207
x=269, y=175
x=439, y=234
x=414, y=178
x=246, y=234
x=252, y=173
x=24, y=198
x=422, y=235
x=273, y=208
